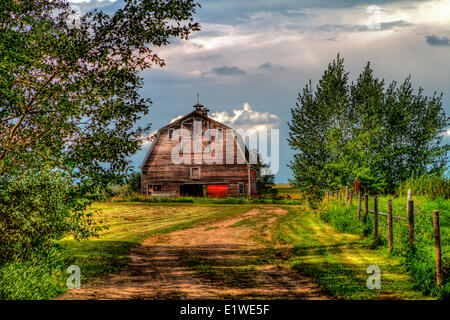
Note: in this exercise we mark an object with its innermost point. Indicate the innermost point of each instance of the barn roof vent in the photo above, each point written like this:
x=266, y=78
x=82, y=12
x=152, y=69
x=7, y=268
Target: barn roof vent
x=199, y=107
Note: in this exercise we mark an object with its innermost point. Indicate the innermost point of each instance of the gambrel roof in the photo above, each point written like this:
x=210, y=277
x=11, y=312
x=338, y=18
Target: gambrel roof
x=198, y=114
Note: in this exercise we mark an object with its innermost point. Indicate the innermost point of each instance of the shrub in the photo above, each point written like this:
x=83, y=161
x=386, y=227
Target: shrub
x=36, y=209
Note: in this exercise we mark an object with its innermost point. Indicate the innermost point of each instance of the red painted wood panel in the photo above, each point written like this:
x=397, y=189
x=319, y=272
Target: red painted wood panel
x=217, y=190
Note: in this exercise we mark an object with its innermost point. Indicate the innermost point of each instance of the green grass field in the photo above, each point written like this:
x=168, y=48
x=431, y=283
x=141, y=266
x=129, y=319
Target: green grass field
x=128, y=223
x=330, y=249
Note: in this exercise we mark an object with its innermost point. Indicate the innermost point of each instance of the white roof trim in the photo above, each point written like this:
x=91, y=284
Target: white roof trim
x=149, y=152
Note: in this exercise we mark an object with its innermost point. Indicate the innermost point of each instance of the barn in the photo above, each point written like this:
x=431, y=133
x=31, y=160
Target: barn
x=197, y=156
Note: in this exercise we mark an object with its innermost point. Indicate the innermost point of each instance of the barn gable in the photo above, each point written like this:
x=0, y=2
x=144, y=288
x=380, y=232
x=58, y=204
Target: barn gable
x=196, y=114
x=204, y=170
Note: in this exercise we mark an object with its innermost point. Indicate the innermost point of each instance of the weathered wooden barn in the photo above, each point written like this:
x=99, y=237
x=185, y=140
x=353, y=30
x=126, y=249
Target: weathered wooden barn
x=197, y=156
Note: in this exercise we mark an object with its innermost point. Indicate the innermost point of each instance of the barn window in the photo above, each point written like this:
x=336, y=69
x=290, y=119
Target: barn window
x=219, y=134
x=153, y=188
x=241, y=188
x=170, y=134
x=196, y=173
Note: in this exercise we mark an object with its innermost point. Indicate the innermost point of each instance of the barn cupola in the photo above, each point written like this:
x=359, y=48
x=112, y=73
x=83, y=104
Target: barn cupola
x=201, y=108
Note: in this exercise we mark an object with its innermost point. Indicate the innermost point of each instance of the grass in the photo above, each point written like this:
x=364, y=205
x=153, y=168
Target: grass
x=420, y=263
x=236, y=273
x=286, y=189
x=129, y=223
x=338, y=261
x=332, y=252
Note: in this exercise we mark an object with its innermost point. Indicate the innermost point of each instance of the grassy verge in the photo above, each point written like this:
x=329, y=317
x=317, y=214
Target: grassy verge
x=129, y=223
x=420, y=261
x=338, y=261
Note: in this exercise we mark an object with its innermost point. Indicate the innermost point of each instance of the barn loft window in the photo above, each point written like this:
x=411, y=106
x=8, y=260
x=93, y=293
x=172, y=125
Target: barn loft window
x=219, y=134
x=241, y=188
x=196, y=173
x=170, y=134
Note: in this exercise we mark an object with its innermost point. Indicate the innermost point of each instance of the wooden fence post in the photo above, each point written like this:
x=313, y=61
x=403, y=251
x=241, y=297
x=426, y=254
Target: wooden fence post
x=350, y=199
x=437, y=243
x=409, y=196
x=366, y=208
x=375, y=217
x=410, y=210
x=358, y=212
x=390, y=226
x=346, y=195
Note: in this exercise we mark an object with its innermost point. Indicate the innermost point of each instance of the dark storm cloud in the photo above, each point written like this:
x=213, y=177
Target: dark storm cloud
x=362, y=28
x=226, y=71
x=434, y=40
x=237, y=11
x=266, y=65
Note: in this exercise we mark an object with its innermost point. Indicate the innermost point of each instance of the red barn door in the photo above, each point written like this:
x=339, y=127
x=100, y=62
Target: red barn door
x=217, y=190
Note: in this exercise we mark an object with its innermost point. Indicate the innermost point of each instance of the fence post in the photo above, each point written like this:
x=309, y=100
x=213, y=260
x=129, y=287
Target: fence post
x=346, y=195
x=375, y=217
x=410, y=210
x=390, y=226
x=409, y=197
x=350, y=199
x=358, y=212
x=437, y=243
x=366, y=207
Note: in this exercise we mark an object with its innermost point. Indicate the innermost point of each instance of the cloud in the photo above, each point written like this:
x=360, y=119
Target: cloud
x=266, y=65
x=433, y=40
x=245, y=116
x=226, y=71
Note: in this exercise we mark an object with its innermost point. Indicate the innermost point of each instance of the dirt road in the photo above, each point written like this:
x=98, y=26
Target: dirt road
x=217, y=260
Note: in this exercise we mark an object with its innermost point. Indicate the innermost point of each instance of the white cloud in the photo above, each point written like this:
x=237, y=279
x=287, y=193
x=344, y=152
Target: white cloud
x=244, y=116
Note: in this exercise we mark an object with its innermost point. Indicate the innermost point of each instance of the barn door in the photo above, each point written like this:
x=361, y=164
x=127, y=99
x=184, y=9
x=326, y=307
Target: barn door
x=217, y=190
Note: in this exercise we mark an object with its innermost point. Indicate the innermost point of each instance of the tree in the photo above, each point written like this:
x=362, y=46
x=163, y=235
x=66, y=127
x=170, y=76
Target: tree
x=319, y=130
x=69, y=86
x=364, y=132
x=134, y=182
x=264, y=179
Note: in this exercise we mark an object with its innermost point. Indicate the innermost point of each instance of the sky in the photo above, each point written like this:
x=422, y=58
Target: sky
x=252, y=58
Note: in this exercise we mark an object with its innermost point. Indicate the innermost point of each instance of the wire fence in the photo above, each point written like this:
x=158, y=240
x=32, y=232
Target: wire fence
x=417, y=226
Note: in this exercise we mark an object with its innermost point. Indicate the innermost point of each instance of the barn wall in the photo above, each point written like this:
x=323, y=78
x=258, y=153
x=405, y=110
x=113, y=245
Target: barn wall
x=159, y=168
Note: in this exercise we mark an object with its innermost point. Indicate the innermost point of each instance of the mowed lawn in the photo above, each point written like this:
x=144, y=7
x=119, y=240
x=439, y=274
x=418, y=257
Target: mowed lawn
x=299, y=239
x=336, y=261
x=130, y=223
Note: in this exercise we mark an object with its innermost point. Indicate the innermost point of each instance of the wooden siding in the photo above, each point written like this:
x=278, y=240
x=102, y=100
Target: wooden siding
x=160, y=169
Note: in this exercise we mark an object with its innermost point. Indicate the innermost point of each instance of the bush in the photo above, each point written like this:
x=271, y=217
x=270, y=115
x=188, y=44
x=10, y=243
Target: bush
x=36, y=209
